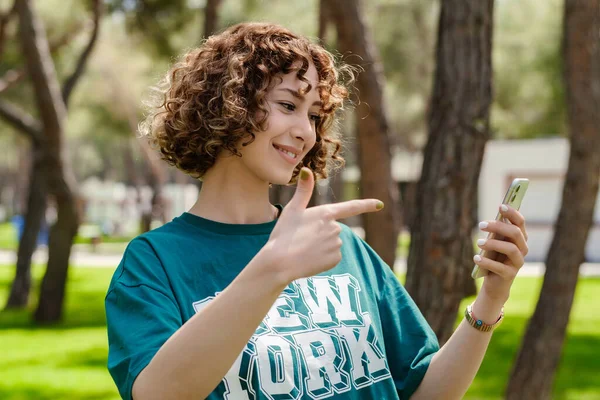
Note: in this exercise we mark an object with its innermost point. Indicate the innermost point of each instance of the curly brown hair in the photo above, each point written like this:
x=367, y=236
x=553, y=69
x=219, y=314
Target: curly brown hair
x=211, y=98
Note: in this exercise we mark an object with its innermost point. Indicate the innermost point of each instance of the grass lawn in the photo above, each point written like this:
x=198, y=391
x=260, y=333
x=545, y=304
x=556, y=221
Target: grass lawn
x=8, y=236
x=68, y=361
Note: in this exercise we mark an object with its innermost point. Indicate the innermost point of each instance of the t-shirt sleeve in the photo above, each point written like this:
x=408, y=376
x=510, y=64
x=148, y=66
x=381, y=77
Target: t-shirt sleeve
x=141, y=314
x=410, y=342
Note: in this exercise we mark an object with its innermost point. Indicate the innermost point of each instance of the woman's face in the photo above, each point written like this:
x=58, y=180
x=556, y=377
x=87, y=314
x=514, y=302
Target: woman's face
x=290, y=129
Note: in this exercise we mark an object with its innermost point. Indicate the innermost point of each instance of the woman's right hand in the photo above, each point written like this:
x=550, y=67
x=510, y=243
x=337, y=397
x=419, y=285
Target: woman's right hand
x=306, y=241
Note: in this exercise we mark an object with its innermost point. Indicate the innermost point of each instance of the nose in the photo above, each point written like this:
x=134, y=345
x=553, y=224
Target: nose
x=303, y=129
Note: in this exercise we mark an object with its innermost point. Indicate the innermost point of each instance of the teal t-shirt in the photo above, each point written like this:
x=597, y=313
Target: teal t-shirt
x=351, y=332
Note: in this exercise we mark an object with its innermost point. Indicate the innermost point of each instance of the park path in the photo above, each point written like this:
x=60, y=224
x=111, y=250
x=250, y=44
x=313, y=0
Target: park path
x=83, y=258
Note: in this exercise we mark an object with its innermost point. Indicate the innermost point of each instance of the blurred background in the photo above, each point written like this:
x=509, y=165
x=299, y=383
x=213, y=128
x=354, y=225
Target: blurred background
x=455, y=99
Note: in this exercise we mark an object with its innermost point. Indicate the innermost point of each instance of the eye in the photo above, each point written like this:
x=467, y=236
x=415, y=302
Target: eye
x=288, y=106
x=316, y=118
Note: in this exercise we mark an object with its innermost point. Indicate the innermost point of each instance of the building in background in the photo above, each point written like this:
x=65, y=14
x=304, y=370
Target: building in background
x=542, y=161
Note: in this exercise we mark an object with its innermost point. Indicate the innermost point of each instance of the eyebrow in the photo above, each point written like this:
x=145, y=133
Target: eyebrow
x=297, y=95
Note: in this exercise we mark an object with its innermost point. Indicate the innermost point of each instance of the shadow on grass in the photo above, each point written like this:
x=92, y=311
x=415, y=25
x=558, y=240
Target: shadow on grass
x=95, y=357
x=86, y=312
x=84, y=302
x=88, y=359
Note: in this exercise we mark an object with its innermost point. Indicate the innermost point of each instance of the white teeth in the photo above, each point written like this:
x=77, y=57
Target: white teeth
x=289, y=153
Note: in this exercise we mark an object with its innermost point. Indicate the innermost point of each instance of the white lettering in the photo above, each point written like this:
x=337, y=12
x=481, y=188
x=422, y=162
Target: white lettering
x=364, y=346
x=283, y=315
x=323, y=356
x=233, y=385
x=324, y=295
x=277, y=368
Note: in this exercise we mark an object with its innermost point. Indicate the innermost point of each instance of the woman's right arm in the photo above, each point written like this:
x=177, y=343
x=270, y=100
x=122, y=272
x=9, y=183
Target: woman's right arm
x=305, y=242
x=195, y=359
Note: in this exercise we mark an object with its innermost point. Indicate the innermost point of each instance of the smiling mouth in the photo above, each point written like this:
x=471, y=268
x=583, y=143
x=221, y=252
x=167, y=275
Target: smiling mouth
x=289, y=153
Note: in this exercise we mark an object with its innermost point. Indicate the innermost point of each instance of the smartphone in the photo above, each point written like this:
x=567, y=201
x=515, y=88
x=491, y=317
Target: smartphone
x=513, y=198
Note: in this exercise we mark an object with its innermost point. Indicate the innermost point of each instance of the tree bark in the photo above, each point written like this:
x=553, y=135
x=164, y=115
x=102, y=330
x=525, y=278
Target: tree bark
x=34, y=218
x=13, y=76
x=36, y=202
x=336, y=188
x=324, y=19
x=72, y=80
x=211, y=17
x=354, y=37
x=61, y=182
x=441, y=249
x=545, y=334
x=155, y=177
x=21, y=120
x=38, y=189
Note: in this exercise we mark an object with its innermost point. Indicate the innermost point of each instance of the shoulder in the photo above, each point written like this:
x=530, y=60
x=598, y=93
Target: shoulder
x=353, y=242
x=147, y=255
x=349, y=233
x=171, y=230
x=141, y=263
x=158, y=241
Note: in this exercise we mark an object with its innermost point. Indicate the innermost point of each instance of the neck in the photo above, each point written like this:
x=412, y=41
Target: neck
x=231, y=195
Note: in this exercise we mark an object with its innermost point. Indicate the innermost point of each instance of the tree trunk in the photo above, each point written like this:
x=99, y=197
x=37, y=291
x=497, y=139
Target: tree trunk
x=545, y=335
x=354, y=37
x=34, y=218
x=61, y=182
x=155, y=177
x=441, y=249
x=211, y=16
x=49, y=171
x=336, y=188
x=61, y=237
x=324, y=20
x=131, y=176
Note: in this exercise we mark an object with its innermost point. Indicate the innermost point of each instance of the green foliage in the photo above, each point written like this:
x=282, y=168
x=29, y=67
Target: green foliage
x=405, y=33
x=299, y=16
x=140, y=38
x=529, y=94
x=68, y=360
x=155, y=19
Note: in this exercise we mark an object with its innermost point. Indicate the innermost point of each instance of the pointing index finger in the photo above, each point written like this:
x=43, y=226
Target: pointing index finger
x=351, y=208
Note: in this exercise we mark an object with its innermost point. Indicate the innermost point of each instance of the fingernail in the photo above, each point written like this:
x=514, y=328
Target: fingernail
x=304, y=174
x=379, y=205
x=477, y=258
x=483, y=225
x=481, y=242
x=503, y=208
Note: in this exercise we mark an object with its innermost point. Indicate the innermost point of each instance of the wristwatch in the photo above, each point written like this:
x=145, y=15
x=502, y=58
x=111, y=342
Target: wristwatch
x=479, y=324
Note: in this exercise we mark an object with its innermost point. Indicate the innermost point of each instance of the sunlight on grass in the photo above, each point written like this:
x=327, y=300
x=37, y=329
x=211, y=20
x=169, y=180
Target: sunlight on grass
x=65, y=361
x=8, y=236
x=577, y=375
x=68, y=360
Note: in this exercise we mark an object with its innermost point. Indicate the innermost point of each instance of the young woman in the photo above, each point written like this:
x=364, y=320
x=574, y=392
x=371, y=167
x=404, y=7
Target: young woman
x=241, y=299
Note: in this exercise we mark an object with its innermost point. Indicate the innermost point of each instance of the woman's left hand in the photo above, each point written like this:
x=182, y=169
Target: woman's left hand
x=512, y=251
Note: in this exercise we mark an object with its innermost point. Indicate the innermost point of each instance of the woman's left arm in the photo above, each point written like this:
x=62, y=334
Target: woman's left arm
x=454, y=366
